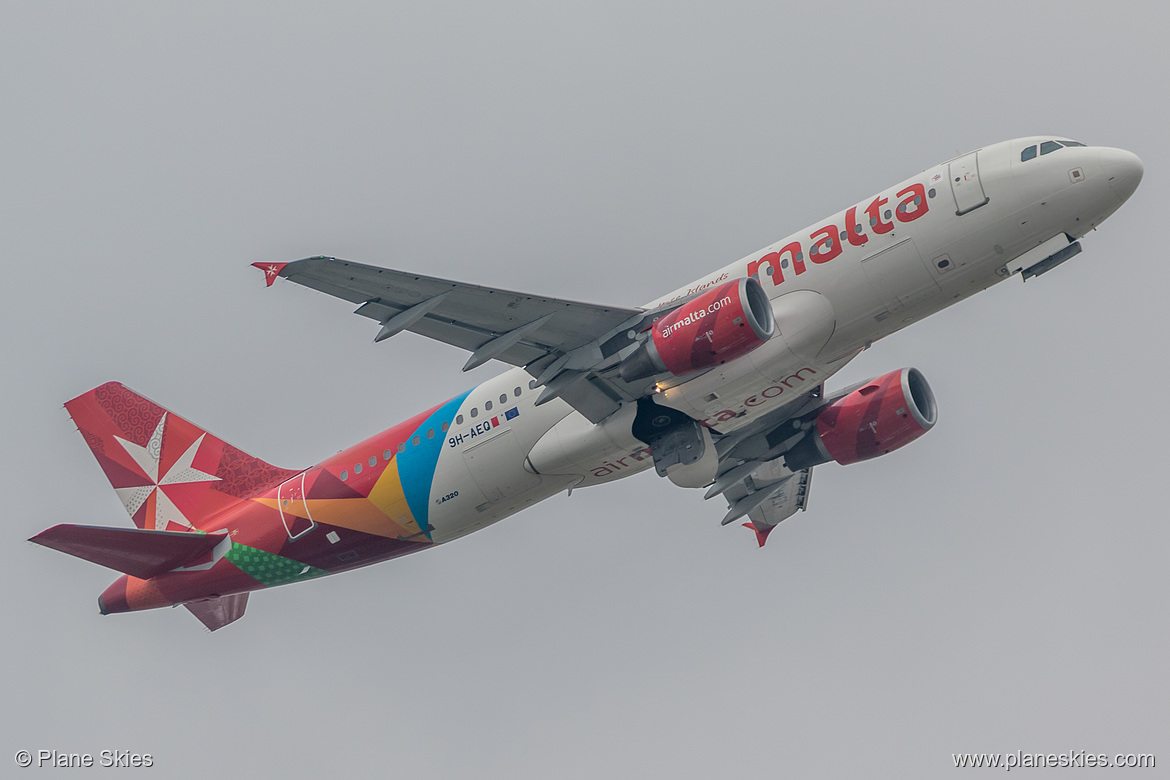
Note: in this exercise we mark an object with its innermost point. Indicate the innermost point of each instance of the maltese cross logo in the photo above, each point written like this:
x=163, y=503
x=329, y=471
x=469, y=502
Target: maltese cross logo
x=271, y=271
x=161, y=511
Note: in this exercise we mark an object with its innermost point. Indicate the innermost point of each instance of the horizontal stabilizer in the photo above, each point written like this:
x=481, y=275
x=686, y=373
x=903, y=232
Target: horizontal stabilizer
x=134, y=551
x=218, y=612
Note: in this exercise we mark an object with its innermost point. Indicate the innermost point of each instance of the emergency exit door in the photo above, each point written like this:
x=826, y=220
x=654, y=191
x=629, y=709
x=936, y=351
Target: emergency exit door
x=899, y=277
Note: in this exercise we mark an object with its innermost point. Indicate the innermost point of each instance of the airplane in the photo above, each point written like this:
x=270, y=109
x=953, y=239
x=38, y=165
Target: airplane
x=720, y=384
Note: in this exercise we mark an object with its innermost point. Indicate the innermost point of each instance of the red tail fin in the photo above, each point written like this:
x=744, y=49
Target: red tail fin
x=170, y=474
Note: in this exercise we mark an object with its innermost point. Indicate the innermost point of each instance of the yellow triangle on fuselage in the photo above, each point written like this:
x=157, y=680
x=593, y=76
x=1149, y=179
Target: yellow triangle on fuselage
x=385, y=512
x=387, y=495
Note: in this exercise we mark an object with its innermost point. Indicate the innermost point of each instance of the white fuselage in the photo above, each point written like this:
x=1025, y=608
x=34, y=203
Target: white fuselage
x=835, y=288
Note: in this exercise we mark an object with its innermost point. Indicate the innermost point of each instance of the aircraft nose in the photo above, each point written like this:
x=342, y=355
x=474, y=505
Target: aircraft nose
x=1123, y=170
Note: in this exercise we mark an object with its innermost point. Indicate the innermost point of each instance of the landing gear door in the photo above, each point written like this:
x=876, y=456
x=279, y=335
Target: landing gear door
x=965, y=184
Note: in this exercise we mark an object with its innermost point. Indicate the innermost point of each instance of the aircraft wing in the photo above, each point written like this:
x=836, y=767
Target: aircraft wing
x=782, y=494
x=752, y=475
x=567, y=346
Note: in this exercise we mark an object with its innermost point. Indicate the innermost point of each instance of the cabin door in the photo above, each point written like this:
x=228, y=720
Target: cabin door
x=965, y=184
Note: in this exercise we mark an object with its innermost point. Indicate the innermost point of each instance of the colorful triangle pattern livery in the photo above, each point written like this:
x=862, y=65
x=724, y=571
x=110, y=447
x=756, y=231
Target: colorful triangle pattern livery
x=719, y=384
x=173, y=476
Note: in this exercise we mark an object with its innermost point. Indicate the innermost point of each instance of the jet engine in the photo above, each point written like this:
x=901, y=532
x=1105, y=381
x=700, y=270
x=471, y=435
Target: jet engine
x=880, y=416
x=720, y=325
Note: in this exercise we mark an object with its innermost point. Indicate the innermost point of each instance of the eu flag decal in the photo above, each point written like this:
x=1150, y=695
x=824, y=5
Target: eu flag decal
x=511, y=414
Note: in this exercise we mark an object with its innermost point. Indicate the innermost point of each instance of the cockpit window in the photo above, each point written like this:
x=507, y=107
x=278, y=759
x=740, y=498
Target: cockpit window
x=1049, y=146
x=1071, y=143
x=1028, y=153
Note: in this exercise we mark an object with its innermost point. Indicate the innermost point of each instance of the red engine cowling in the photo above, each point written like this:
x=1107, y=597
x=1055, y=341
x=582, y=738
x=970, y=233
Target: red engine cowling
x=880, y=416
x=720, y=325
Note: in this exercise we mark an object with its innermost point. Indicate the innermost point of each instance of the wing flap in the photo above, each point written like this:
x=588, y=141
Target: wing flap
x=767, y=495
x=134, y=551
x=788, y=498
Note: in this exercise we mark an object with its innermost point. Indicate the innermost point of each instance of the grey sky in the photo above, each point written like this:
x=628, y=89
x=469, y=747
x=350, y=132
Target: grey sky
x=999, y=585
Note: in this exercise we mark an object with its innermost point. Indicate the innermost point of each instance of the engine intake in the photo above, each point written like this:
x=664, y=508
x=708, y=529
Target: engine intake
x=881, y=416
x=717, y=326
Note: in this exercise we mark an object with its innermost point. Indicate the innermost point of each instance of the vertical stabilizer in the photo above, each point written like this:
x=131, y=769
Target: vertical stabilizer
x=170, y=474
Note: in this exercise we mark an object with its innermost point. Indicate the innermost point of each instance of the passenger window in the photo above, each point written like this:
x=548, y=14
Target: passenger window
x=531, y=384
x=503, y=398
x=1049, y=146
x=474, y=411
x=516, y=392
x=402, y=446
x=487, y=406
x=430, y=433
x=344, y=476
x=357, y=468
x=1028, y=153
x=458, y=419
x=415, y=441
x=445, y=426
x=373, y=461
x=386, y=455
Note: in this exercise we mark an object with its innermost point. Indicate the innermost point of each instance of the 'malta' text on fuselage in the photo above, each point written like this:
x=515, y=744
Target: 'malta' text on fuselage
x=828, y=241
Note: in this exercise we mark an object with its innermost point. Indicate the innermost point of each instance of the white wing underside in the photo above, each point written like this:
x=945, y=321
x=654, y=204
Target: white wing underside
x=787, y=493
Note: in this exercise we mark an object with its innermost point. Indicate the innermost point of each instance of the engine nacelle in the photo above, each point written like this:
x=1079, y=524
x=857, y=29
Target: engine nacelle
x=880, y=416
x=720, y=325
